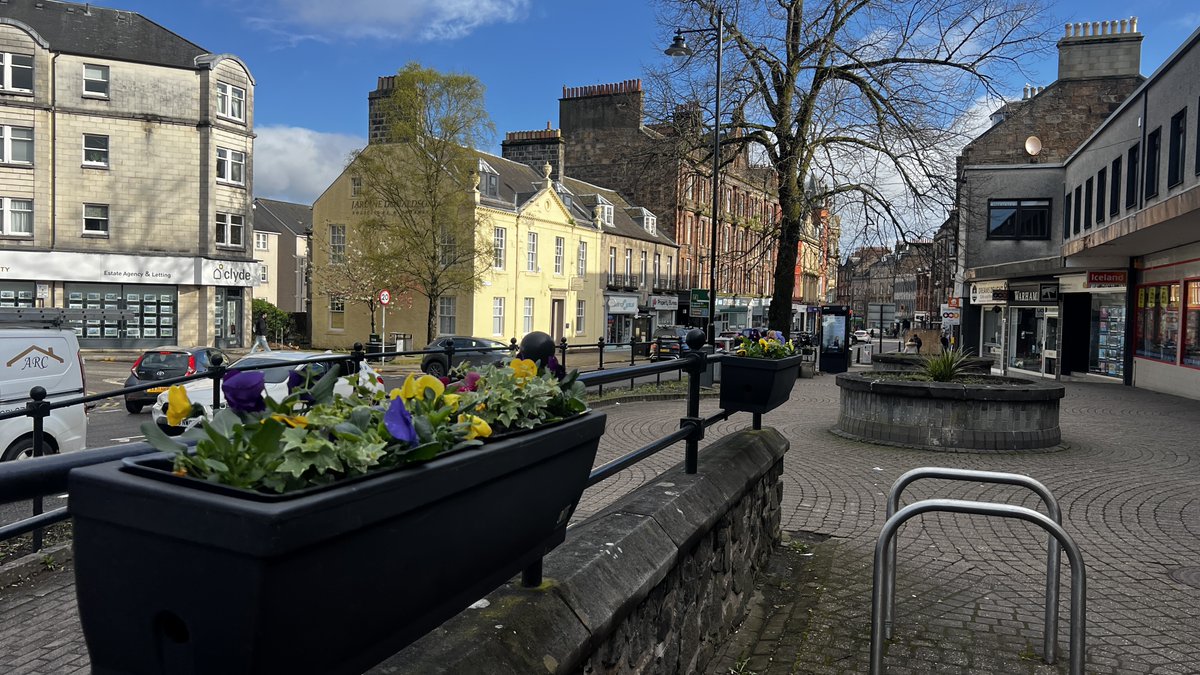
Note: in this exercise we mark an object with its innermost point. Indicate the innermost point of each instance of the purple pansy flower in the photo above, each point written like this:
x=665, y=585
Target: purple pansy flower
x=243, y=390
x=399, y=423
x=469, y=382
x=557, y=368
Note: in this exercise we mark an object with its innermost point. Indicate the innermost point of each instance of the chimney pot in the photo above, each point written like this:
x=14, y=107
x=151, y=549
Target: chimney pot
x=1133, y=24
x=1095, y=28
x=1068, y=31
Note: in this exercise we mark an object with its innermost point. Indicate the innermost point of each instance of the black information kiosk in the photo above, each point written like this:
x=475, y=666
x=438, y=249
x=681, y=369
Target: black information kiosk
x=835, y=338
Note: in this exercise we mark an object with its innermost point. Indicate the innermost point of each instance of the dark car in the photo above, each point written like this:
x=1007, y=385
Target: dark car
x=476, y=351
x=672, y=344
x=162, y=363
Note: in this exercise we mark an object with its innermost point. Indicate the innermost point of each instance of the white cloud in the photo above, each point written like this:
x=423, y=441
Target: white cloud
x=296, y=164
x=419, y=20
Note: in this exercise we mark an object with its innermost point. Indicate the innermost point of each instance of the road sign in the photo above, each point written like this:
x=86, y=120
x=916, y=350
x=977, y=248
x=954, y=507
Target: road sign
x=385, y=297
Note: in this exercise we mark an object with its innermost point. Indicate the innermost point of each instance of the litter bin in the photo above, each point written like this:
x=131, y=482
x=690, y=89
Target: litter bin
x=403, y=341
x=711, y=369
x=374, y=345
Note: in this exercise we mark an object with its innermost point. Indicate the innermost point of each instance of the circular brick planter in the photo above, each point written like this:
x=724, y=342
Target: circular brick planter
x=1005, y=414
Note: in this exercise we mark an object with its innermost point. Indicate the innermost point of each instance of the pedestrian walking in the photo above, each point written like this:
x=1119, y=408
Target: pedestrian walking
x=916, y=340
x=945, y=342
x=260, y=333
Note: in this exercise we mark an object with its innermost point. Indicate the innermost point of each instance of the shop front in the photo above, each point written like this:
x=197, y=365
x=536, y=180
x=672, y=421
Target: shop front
x=992, y=299
x=1094, y=322
x=166, y=298
x=662, y=309
x=620, y=311
x=1033, y=328
x=733, y=312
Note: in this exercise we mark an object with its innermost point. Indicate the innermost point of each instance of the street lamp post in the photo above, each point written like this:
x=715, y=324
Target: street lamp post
x=679, y=48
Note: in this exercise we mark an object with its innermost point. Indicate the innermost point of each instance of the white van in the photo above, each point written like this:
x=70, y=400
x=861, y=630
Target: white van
x=35, y=353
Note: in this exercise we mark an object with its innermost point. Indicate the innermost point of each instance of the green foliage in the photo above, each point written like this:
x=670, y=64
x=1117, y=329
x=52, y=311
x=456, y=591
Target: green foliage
x=765, y=348
x=315, y=436
x=279, y=322
x=947, y=366
x=509, y=398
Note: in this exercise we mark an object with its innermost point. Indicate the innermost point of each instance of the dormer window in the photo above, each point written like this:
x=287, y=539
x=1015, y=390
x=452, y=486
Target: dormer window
x=606, y=210
x=489, y=181
x=649, y=222
x=564, y=194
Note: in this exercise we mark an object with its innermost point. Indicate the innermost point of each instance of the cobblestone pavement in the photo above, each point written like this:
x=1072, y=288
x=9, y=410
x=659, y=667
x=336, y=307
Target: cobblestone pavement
x=969, y=596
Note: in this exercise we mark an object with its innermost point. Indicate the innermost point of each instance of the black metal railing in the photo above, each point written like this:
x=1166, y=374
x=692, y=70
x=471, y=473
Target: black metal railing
x=46, y=472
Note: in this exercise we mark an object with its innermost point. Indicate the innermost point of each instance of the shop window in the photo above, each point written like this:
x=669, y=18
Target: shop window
x=1153, y=146
x=1175, y=148
x=1019, y=219
x=1101, y=202
x=1157, y=328
x=1191, y=324
x=1107, y=356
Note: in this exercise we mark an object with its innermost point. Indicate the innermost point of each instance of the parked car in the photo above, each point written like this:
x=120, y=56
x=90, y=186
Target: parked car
x=862, y=336
x=48, y=357
x=472, y=350
x=163, y=363
x=672, y=342
x=200, y=391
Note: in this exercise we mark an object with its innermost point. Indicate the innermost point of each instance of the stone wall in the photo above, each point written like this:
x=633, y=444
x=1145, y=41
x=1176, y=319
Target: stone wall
x=1004, y=415
x=653, y=584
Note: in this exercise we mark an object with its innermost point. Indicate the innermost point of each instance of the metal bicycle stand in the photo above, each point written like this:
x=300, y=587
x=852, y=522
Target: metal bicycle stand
x=1078, y=576
x=1053, y=556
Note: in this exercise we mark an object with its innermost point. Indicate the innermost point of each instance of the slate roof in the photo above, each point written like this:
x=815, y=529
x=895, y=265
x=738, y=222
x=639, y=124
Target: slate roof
x=271, y=215
x=89, y=30
x=519, y=183
x=623, y=224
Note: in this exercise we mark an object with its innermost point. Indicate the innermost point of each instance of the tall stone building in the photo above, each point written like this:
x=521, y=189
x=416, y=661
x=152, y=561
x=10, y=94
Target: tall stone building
x=126, y=176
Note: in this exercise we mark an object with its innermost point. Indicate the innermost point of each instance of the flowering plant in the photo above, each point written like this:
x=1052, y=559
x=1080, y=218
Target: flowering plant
x=315, y=436
x=770, y=347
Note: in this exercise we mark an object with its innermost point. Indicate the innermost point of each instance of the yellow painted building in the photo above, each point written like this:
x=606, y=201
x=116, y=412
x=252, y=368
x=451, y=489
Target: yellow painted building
x=546, y=274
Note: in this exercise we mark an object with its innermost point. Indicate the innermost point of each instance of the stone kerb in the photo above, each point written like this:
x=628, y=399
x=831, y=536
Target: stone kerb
x=652, y=584
x=1003, y=415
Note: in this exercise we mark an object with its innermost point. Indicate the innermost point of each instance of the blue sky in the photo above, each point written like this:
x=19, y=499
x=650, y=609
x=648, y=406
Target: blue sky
x=314, y=61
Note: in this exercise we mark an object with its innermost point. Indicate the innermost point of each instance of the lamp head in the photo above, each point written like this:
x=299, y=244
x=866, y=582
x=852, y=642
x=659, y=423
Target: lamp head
x=678, y=47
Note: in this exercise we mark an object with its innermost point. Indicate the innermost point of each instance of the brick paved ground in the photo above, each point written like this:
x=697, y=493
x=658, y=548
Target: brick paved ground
x=970, y=589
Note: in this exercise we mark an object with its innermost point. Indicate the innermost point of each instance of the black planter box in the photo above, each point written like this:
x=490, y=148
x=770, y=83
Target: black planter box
x=757, y=385
x=174, y=579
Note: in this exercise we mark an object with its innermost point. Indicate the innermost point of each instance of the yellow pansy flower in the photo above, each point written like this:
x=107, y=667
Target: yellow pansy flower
x=762, y=343
x=409, y=390
x=479, y=428
x=292, y=420
x=395, y=393
x=414, y=387
x=179, y=406
x=524, y=368
x=451, y=400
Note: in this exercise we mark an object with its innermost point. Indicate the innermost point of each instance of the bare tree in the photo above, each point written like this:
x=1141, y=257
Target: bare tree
x=852, y=102
x=360, y=268
x=418, y=187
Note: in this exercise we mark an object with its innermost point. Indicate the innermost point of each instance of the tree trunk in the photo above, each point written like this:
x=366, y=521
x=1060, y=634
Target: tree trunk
x=430, y=318
x=779, y=315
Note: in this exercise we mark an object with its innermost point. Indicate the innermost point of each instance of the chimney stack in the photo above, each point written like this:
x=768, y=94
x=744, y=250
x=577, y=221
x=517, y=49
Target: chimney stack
x=1100, y=49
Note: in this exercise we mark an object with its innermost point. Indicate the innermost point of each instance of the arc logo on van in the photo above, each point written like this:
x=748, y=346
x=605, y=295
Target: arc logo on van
x=34, y=358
